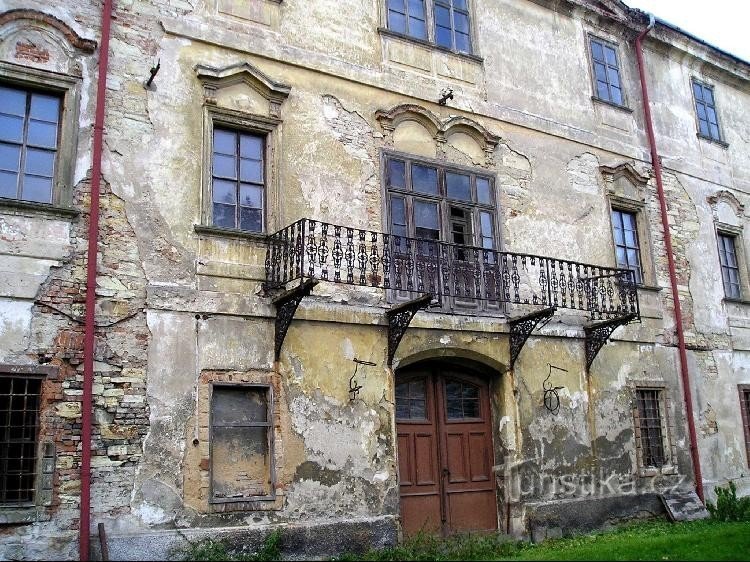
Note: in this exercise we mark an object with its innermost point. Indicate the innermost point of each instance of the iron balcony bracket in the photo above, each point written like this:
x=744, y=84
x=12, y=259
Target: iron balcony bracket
x=521, y=328
x=597, y=335
x=286, y=305
x=399, y=317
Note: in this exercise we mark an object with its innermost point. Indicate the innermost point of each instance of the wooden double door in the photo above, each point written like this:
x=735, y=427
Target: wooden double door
x=445, y=453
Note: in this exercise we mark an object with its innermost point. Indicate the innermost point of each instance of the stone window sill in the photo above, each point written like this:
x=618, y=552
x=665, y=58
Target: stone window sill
x=650, y=472
x=614, y=105
x=737, y=301
x=652, y=288
x=37, y=208
x=230, y=233
x=19, y=515
x=430, y=45
x=719, y=142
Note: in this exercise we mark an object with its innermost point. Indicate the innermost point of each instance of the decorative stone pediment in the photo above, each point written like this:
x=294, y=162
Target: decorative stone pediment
x=33, y=38
x=726, y=208
x=625, y=184
x=238, y=77
x=415, y=129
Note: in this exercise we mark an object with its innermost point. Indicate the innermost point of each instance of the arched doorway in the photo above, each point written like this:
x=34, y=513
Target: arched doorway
x=445, y=452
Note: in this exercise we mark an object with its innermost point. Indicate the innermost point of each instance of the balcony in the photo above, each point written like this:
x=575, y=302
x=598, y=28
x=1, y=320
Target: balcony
x=526, y=288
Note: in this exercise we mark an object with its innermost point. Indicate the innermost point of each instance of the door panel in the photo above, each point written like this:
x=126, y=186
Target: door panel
x=445, y=452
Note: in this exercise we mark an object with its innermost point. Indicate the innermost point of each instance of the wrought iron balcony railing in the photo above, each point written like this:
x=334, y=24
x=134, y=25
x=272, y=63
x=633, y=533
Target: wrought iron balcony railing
x=454, y=275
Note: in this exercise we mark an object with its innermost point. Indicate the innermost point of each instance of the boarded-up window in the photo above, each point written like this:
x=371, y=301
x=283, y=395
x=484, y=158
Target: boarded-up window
x=241, y=445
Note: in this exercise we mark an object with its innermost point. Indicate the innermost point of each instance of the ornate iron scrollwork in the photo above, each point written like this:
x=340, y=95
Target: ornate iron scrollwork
x=286, y=305
x=399, y=317
x=521, y=328
x=597, y=335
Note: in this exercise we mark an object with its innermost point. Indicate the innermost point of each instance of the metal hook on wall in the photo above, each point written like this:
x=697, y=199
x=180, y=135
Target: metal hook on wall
x=551, y=397
x=354, y=388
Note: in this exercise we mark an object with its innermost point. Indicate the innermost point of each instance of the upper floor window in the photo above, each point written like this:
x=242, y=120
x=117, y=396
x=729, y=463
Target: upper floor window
x=606, y=71
x=705, y=107
x=29, y=126
x=238, y=180
x=445, y=23
x=627, y=248
x=434, y=202
x=408, y=17
x=730, y=269
x=452, y=25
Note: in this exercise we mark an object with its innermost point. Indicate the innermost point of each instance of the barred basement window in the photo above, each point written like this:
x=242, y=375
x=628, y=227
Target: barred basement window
x=745, y=414
x=19, y=434
x=651, y=433
x=241, y=443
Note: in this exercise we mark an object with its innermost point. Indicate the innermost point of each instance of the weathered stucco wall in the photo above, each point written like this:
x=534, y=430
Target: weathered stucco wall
x=180, y=308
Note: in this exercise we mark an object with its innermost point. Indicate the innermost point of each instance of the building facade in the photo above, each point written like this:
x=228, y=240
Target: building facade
x=364, y=268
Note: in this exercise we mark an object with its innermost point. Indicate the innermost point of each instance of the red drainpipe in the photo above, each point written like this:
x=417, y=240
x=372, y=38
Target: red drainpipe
x=89, y=336
x=687, y=394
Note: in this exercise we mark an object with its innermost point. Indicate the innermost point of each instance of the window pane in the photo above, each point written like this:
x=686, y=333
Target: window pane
x=596, y=51
x=460, y=4
x=416, y=9
x=251, y=196
x=708, y=96
x=10, y=157
x=251, y=219
x=442, y=16
x=11, y=128
x=397, y=173
x=485, y=220
x=630, y=238
x=633, y=257
x=225, y=192
x=224, y=215
x=703, y=127
x=443, y=37
x=236, y=406
x=251, y=147
x=46, y=108
x=610, y=56
x=459, y=186
x=398, y=211
x=251, y=170
x=620, y=254
x=418, y=28
x=12, y=101
x=616, y=95
x=711, y=115
x=698, y=91
x=225, y=142
x=397, y=5
x=601, y=72
x=42, y=134
x=426, y=215
x=614, y=76
x=240, y=462
x=396, y=22
x=484, y=192
x=463, y=43
x=424, y=179
x=37, y=189
x=8, y=184
x=701, y=109
x=225, y=166
x=461, y=22
x=714, y=131
x=602, y=90
x=40, y=162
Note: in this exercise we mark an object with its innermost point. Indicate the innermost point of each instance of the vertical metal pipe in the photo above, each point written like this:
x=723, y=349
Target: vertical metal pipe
x=89, y=325
x=687, y=394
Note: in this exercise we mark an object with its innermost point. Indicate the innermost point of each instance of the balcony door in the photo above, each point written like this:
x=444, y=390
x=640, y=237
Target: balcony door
x=445, y=453
x=442, y=219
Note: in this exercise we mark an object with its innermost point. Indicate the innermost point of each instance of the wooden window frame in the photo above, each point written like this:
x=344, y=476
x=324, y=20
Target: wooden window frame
x=452, y=10
x=744, y=394
x=593, y=61
x=735, y=233
x=718, y=137
x=67, y=88
x=268, y=388
x=637, y=268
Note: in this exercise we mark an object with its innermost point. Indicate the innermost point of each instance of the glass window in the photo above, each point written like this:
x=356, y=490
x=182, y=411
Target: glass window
x=708, y=124
x=411, y=400
x=650, y=420
x=238, y=180
x=408, y=17
x=627, y=250
x=730, y=270
x=745, y=414
x=19, y=433
x=606, y=71
x=461, y=400
x=240, y=443
x=29, y=135
x=452, y=25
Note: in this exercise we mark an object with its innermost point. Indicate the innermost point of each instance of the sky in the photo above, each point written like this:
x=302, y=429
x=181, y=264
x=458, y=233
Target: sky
x=722, y=23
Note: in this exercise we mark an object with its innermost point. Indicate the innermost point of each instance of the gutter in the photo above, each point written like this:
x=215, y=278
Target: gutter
x=656, y=162
x=91, y=266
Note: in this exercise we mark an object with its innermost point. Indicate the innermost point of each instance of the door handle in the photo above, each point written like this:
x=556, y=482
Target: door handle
x=446, y=472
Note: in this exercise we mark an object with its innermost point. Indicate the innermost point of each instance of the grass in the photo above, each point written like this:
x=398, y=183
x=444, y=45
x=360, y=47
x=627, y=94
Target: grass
x=652, y=540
